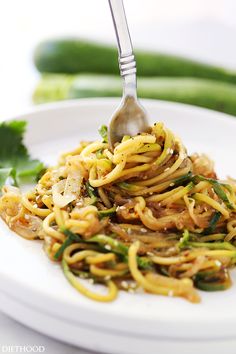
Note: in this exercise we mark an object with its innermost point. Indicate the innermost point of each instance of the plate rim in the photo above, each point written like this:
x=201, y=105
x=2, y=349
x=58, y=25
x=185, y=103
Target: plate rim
x=104, y=101
x=49, y=106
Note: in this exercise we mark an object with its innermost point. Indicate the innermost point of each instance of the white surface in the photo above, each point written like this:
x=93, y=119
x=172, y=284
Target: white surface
x=133, y=323
x=14, y=333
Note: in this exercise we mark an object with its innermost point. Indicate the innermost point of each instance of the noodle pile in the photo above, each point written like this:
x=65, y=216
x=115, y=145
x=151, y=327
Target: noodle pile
x=144, y=216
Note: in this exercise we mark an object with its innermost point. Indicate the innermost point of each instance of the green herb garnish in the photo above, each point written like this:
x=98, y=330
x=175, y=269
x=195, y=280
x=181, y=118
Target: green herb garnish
x=103, y=131
x=15, y=161
x=91, y=192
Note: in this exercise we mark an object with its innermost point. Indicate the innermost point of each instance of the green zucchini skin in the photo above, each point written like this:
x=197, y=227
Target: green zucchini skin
x=72, y=56
x=210, y=94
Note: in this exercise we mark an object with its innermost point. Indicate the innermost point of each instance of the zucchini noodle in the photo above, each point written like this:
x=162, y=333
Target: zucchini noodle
x=145, y=216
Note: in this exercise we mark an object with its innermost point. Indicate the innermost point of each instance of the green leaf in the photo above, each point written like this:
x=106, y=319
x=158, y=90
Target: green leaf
x=5, y=173
x=15, y=161
x=103, y=131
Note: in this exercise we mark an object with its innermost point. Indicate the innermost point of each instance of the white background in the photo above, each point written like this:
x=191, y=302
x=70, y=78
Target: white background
x=202, y=29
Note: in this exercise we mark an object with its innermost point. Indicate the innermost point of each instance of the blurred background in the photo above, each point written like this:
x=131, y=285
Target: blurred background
x=199, y=29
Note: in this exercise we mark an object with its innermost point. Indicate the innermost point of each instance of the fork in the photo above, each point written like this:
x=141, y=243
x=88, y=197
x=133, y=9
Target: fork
x=130, y=117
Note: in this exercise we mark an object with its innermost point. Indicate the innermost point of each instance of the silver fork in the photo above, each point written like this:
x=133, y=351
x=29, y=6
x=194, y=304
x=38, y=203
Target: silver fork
x=130, y=118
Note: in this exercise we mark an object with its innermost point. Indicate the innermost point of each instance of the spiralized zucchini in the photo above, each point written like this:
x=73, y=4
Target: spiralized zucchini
x=145, y=216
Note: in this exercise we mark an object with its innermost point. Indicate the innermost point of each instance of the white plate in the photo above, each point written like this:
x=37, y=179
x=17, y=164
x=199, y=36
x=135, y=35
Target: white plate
x=34, y=291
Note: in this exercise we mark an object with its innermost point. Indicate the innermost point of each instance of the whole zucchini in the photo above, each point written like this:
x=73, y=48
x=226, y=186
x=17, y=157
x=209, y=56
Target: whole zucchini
x=72, y=56
x=210, y=94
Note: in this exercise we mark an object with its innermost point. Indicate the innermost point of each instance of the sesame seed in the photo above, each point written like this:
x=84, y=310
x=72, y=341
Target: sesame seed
x=124, y=284
x=129, y=230
x=150, y=254
x=143, y=230
x=172, y=184
x=82, y=276
x=27, y=217
x=133, y=285
x=107, y=247
x=217, y=263
x=107, y=277
x=91, y=281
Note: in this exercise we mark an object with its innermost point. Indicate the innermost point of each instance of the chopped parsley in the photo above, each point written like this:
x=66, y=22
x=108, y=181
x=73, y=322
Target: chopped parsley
x=103, y=131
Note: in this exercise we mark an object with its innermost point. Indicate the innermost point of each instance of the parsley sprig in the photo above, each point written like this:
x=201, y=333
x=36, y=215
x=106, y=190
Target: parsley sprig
x=15, y=160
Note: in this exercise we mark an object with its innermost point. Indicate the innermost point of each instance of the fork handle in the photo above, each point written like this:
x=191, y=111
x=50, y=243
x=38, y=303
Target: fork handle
x=127, y=61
